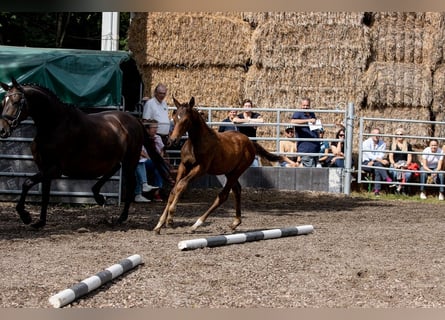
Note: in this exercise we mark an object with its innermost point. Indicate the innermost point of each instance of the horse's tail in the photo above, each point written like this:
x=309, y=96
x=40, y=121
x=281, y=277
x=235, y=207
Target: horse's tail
x=160, y=163
x=260, y=151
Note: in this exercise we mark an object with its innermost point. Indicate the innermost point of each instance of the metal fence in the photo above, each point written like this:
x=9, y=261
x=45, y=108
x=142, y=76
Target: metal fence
x=418, y=141
x=16, y=163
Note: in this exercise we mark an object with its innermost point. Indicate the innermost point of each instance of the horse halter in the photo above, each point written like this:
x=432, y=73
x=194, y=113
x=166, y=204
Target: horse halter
x=13, y=119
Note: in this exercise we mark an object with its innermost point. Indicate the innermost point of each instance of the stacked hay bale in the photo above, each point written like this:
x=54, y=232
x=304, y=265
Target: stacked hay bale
x=321, y=56
x=399, y=80
x=194, y=54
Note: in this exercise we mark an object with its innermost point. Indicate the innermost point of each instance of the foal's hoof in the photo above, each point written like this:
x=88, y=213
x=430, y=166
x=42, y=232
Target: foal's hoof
x=235, y=224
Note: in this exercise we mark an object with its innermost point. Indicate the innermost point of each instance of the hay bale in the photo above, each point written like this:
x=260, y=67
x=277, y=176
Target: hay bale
x=190, y=39
x=438, y=106
x=211, y=86
x=407, y=37
x=287, y=45
x=283, y=88
x=305, y=18
x=398, y=85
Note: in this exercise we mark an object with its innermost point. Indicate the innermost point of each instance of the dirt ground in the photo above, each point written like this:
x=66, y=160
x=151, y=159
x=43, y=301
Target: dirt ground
x=364, y=252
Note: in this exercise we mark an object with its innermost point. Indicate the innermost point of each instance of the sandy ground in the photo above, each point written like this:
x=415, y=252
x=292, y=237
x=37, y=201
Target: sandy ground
x=364, y=252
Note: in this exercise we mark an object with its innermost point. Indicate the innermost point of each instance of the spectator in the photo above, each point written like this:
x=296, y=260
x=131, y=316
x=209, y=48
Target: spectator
x=156, y=108
x=432, y=161
x=229, y=127
x=374, y=156
x=323, y=160
x=400, y=159
x=304, y=119
x=247, y=117
x=338, y=150
x=152, y=127
x=287, y=146
x=141, y=178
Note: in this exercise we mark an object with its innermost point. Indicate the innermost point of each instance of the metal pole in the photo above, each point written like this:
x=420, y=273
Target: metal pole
x=348, y=148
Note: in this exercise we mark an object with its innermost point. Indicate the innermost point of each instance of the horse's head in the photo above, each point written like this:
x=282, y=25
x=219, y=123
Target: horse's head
x=184, y=118
x=13, y=105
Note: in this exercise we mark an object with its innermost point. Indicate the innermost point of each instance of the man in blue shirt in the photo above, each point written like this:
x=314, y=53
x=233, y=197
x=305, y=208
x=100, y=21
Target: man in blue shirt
x=302, y=130
x=229, y=120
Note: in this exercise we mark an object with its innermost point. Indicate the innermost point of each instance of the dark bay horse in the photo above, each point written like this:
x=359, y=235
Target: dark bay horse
x=207, y=151
x=75, y=144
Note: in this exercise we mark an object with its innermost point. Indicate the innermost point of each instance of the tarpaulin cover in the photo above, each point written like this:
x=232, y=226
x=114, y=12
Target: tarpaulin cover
x=84, y=78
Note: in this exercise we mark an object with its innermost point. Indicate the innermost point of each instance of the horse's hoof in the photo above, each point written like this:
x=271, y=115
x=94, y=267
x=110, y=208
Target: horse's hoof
x=25, y=217
x=100, y=199
x=38, y=225
x=157, y=230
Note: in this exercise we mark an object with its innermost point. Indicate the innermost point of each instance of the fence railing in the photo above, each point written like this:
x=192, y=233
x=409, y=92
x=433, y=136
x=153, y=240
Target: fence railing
x=418, y=141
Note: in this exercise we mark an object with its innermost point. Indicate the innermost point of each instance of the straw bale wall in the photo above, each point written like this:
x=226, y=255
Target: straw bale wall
x=407, y=37
x=305, y=18
x=209, y=85
x=194, y=39
x=389, y=64
x=397, y=85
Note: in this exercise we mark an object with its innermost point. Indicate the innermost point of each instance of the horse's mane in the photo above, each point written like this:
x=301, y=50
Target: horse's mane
x=50, y=93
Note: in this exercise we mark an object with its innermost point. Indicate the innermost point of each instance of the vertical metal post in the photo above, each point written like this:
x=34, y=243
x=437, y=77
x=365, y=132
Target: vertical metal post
x=348, y=148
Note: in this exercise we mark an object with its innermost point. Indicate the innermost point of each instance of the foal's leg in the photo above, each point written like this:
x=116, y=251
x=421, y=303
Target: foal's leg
x=100, y=199
x=180, y=186
x=220, y=199
x=27, y=185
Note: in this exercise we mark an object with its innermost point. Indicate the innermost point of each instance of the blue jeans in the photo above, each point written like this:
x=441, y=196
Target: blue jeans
x=407, y=175
x=157, y=178
x=423, y=178
x=255, y=162
x=141, y=177
x=379, y=174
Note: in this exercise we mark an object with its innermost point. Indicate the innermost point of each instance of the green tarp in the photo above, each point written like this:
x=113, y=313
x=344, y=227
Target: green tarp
x=81, y=77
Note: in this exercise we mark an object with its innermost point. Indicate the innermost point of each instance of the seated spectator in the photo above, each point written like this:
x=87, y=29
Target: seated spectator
x=374, y=156
x=323, y=160
x=288, y=146
x=338, y=150
x=400, y=160
x=229, y=127
x=141, y=178
x=152, y=127
x=432, y=161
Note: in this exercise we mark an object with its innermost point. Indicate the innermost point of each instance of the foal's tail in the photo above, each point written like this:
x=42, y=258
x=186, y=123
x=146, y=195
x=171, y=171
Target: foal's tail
x=260, y=151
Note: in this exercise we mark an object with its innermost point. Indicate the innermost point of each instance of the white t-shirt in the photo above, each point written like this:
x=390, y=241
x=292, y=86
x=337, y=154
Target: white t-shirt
x=432, y=159
x=153, y=109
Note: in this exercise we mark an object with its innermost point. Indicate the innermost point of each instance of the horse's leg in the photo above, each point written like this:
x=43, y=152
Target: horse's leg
x=100, y=199
x=46, y=186
x=130, y=185
x=180, y=186
x=236, y=188
x=27, y=185
x=220, y=199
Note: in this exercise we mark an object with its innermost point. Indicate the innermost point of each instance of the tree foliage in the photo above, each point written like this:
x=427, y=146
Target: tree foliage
x=57, y=30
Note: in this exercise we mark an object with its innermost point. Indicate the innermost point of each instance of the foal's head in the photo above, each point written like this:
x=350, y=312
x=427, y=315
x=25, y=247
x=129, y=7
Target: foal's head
x=184, y=118
x=13, y=108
